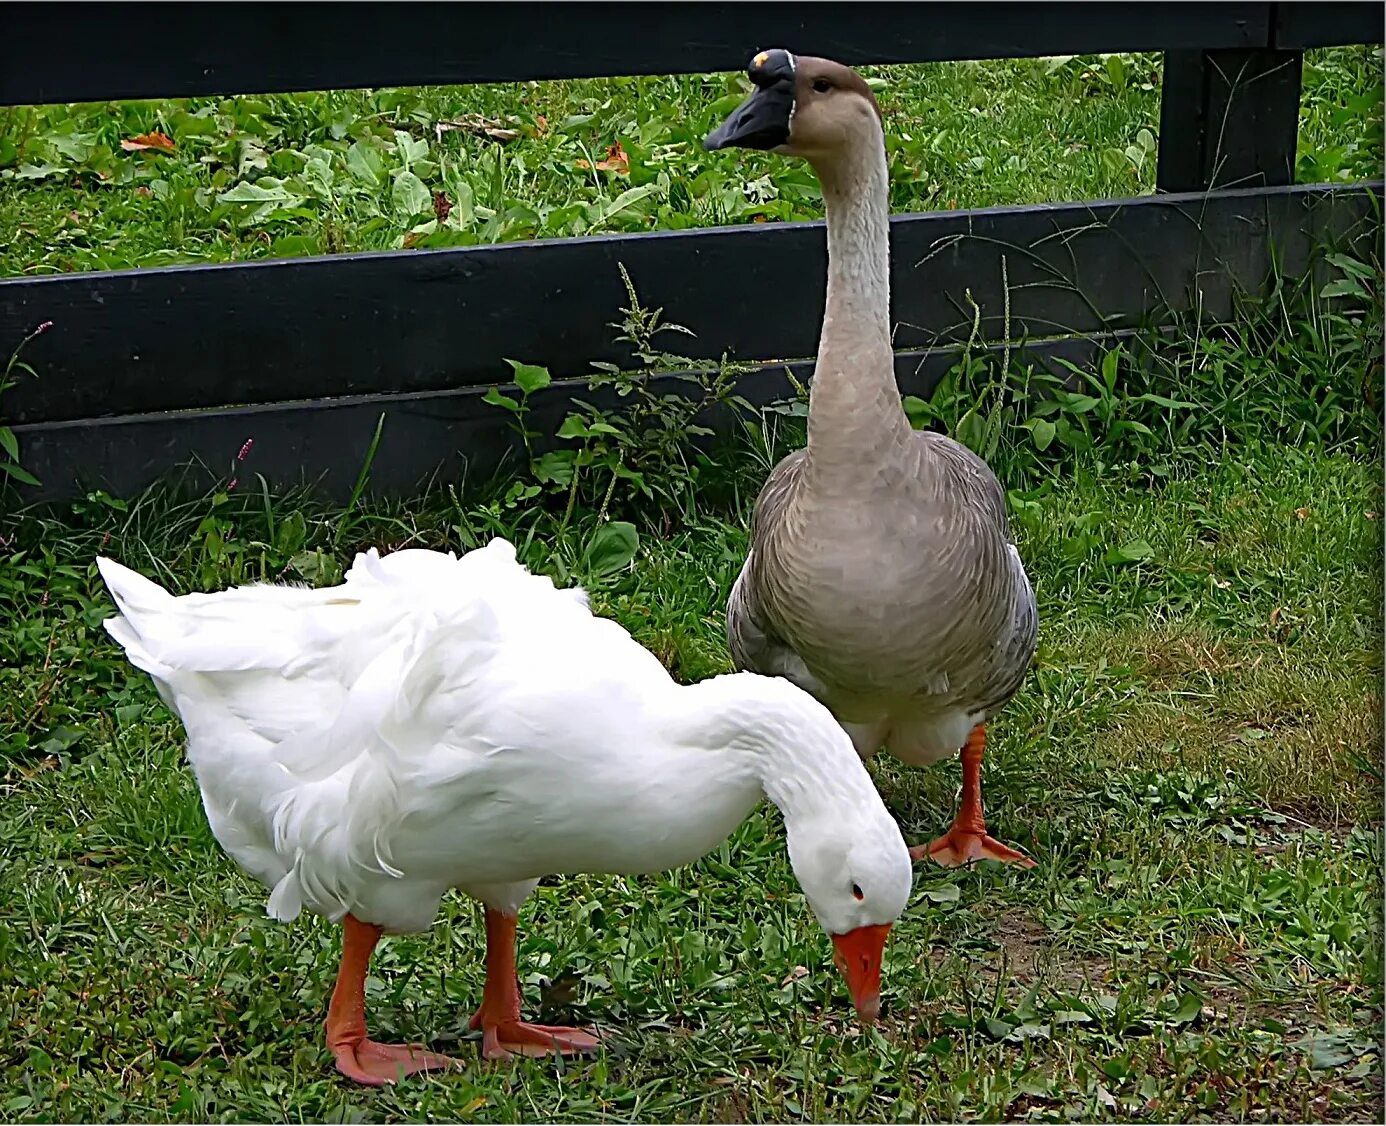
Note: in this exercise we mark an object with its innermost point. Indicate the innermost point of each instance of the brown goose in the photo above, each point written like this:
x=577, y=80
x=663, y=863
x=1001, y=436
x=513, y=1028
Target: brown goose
x=881, y=576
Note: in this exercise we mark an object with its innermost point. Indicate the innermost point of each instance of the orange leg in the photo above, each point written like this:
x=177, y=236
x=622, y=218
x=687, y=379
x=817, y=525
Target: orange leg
x=503, y=1032
x=359, y=1057
x=967, y=841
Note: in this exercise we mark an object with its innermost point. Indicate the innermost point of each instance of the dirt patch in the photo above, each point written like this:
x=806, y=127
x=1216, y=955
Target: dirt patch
x=730, y=1107
x=1302, y=817
x=1028, y=951
x=1024, y=942
x=1168, y=658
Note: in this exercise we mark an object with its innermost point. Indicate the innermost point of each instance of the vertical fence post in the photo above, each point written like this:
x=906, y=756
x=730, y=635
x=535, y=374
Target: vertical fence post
x=1228, y=119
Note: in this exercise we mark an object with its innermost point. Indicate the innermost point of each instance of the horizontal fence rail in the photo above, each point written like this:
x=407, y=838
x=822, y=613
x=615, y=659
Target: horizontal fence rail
x=91, y=52
x=145, y=369
x=132, y=341
x=454, y=435
x=85, y=52
x=340, y=343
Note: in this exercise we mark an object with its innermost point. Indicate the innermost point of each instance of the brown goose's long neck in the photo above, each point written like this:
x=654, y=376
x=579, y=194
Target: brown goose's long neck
x=854, y=412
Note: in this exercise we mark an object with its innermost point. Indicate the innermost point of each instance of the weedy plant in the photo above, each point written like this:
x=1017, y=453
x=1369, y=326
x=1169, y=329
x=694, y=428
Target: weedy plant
x=1164, y=393
x=10, y=465
x=643, y=436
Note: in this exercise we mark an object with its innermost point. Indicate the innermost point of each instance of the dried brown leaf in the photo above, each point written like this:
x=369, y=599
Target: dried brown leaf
x=616, y=161
x=157, y=141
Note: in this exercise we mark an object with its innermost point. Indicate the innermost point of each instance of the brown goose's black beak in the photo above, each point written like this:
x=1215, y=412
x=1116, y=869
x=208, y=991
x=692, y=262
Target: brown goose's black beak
x=762, y=120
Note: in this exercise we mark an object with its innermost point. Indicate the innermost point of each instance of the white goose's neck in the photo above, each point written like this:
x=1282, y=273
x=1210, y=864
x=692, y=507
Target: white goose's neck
x=854, y=411
x=781, y=738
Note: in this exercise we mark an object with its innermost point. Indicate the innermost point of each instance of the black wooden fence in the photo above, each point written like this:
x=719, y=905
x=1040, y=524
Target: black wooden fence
x=147, y=369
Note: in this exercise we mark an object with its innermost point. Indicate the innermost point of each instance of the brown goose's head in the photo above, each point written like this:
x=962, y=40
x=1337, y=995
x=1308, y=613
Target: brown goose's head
x=803, y=106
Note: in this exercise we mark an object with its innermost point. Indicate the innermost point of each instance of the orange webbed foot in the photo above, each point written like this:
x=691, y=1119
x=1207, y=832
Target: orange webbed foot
x=376, y=1065
x=519, y=1038
x=964, y=847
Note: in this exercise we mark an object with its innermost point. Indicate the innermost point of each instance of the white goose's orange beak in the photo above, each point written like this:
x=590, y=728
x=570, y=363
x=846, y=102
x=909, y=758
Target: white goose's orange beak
x=858, y=957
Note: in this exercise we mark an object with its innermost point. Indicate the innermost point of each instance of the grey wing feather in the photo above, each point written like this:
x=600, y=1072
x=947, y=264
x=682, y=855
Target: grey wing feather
x=1018, y=649
x=755, y=644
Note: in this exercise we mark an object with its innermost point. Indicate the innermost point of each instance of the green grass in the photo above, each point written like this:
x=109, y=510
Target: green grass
x=275, y=176
x=1194, y=760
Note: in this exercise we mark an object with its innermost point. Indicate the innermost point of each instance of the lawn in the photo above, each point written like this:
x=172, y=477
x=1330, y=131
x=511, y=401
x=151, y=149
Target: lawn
x=1195, y=758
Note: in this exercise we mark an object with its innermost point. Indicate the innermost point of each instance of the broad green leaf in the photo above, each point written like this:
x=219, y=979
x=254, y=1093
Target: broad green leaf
x=1042, y=431
x=463, y=213
x=60, y=739
x=556, y=466
x=521, y=491
x=19, y=473
x=998, y=1029
x=39, y=171
x=1351, y=265
x=364, y=162
x=529, y=377
x=200, y=124
x=498, y=398
x=317, y=567
x=409, y=148
x=267, y=190
x=295, y=246
x=76, y=147
x=410, y=196
x=1166, y=402
x=612, y=547
x=919, y=411
x=1343, y=287
x=290, y=533
x=317, y=178
x=1109, y=368
x=948, y=893
x=573, y=427
x=9, y=443
x=128, y=713
x=627, y=198
x=1189, y=1008
x=1333, y=1049
x=1133, y=552
x=971, y=431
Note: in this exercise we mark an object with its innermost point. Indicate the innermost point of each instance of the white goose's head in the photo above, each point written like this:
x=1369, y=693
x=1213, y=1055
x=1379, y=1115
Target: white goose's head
x=801, y=106
x=844, y=846
x=856, y=874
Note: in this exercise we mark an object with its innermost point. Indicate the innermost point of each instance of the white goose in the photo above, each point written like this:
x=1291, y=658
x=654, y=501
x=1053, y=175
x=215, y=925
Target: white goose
x=437, y=722
x=881, y=576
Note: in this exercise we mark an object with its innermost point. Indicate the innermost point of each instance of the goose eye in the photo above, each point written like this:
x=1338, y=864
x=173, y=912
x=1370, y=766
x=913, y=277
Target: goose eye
x=857, y=893
x=822, y=86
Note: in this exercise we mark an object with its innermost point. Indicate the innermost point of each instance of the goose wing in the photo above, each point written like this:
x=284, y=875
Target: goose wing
x=756, y=643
